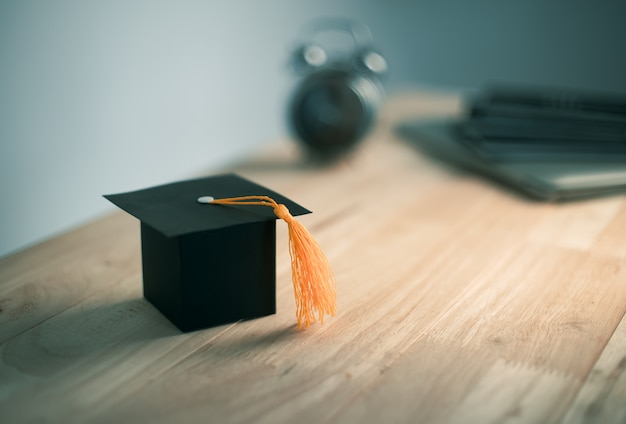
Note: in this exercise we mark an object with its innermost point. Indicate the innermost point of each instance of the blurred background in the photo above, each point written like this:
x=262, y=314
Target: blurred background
x=102, y=97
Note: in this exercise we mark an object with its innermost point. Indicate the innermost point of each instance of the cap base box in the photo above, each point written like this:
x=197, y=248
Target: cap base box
x=214, y=277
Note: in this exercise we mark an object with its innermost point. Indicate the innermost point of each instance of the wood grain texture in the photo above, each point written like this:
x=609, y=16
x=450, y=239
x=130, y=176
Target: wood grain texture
x=602, y=399
x=458, y=301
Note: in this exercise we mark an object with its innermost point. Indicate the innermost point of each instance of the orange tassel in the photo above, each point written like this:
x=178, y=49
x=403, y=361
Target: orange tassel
x=313, y=279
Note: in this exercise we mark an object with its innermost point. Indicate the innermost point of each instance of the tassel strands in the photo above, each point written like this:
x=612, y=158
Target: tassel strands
x=313, y=279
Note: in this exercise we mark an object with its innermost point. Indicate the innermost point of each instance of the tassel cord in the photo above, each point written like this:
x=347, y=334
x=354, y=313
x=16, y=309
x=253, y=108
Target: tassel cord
x=312, y=277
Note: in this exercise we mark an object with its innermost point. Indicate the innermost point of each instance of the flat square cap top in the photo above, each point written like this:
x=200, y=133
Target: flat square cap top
x=173, y=209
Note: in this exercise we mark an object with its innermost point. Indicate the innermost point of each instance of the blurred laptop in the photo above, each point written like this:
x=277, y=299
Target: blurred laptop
x=544, y=179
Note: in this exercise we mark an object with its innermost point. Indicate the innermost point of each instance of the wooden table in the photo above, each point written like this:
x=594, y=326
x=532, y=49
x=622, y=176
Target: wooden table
x=459, y=301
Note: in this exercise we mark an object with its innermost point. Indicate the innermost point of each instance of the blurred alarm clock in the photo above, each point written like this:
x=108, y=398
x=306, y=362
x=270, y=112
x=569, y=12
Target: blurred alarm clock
x=335, y=103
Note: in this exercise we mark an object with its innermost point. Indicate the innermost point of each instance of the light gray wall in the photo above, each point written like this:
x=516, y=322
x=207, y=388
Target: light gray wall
x=100, y=97
x=570, y=43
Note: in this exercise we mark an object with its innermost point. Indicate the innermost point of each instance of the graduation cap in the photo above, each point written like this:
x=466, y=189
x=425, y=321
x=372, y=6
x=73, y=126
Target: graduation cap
x=209, y=252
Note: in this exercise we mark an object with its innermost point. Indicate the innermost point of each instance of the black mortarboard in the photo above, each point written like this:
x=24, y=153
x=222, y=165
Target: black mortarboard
x=206, y=266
